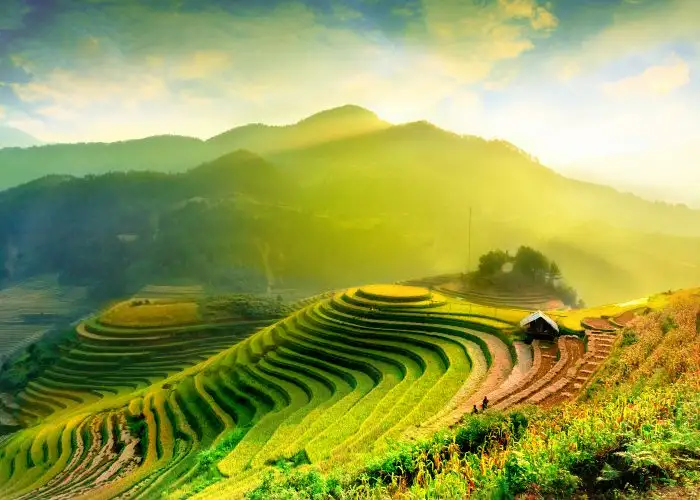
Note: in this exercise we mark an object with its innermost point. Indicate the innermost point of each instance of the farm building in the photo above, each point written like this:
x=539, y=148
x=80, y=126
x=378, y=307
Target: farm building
x=538, y=323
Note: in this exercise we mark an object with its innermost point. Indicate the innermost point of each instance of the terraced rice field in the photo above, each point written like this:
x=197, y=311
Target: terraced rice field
x=110, y=360
x=501, y=298
x=337, y=380
x=157, y=312
x=451, y=285
x=31, y=308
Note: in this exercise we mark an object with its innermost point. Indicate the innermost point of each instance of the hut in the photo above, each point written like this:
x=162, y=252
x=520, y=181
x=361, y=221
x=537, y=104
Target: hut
x=539, y=324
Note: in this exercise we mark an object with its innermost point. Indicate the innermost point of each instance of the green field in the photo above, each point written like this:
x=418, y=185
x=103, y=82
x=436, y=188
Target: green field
x=208, y=409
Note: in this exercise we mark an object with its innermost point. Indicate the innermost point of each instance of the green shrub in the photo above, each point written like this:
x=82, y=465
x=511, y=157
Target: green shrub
x=137, y=425
x=629, y=337
x=297, y=485
x=668, y=324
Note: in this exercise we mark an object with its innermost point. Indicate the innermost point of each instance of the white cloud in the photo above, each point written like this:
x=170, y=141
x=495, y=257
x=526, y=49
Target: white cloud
x=540, y=16
x=202, y=64
x=469, y=38
x=75, y=91
x=636, y=29
x=655, y=80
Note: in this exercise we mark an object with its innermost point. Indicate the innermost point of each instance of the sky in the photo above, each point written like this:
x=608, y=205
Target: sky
x=606, y=90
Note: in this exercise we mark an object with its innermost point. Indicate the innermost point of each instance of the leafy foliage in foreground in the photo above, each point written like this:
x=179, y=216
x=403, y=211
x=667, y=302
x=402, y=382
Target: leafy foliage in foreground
x=627, y=442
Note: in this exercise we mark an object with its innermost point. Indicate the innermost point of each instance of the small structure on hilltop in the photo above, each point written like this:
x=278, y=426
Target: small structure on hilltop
x=539, y=324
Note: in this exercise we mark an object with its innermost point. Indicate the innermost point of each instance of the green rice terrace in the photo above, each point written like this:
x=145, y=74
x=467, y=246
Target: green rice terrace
x=206, y=405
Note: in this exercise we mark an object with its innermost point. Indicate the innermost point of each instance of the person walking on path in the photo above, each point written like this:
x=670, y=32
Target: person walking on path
x=484, y=403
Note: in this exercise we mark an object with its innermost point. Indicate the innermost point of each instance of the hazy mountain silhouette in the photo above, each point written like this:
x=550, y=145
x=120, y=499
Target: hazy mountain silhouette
x=345, y=121
x=14, y=138
x=331, y=205
x=172, y=153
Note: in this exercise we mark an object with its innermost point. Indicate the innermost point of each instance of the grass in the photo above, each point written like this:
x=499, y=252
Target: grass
x=150, y=313
x=394, y=293
x=333, y=384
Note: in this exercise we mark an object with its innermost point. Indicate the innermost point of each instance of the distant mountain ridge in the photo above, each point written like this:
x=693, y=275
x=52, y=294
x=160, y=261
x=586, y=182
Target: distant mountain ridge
x=11, y=137
x=174, y=153
x=336, y=199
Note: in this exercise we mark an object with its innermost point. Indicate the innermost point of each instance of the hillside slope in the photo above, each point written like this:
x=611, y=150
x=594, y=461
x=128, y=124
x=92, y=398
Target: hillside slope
x=332, y=384
x=340, y=198
x=426, y=180
x=233, y=222
x=634, y=431
x=328, y=125
x=172, y=153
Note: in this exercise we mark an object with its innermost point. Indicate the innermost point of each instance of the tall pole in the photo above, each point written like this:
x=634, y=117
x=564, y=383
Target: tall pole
x=469, y=252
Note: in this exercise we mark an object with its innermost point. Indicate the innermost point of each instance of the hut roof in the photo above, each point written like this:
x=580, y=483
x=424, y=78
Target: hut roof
x=539, y=314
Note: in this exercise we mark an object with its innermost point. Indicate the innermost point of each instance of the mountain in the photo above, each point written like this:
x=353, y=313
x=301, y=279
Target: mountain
x=345, y=121
x=172, y=153
x=426, y=180
x=373, y=203
x=233, y=222
x=14, y=138
x=419, y=163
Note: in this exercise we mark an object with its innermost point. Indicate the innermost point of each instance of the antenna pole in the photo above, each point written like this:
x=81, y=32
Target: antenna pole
x=469, y=252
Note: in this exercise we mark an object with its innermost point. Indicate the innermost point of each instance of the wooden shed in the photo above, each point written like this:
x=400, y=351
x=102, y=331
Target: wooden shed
x=538, y=323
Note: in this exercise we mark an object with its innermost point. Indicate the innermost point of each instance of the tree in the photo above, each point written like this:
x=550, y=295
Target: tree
x=493, y=262
x=554, y=272
x=531, y=264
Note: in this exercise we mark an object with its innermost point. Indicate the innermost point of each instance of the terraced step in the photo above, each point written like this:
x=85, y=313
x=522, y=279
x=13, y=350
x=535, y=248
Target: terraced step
x=561, y=376
x=343, y=376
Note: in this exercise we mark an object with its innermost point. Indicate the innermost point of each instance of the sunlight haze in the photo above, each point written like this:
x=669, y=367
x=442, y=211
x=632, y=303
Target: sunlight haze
x=588, y=87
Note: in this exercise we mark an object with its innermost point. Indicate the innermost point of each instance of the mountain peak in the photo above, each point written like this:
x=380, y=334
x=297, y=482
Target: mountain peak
x=345, y=112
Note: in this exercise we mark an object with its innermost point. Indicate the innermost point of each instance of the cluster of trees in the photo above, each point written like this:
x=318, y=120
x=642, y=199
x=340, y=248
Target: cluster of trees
x=26, y=364
x=528, y=263
x=528, y=267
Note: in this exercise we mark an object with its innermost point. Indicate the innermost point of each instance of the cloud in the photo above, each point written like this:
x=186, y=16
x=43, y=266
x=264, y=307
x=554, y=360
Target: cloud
x=201, y=64
x=655, y=80
x=472, y=37
x=637, y=29
x=12, y=14
x=3, y=112
x=540, y=16
x=71, y=90
x=276, y=62
x=11, y=70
